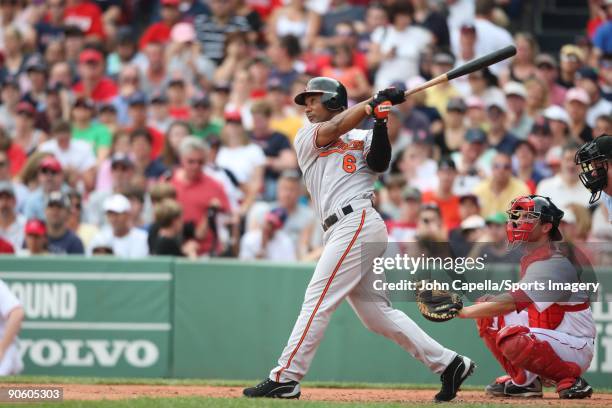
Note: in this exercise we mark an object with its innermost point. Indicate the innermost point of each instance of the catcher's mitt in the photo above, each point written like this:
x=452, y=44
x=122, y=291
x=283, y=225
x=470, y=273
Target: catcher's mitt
x=438, y=305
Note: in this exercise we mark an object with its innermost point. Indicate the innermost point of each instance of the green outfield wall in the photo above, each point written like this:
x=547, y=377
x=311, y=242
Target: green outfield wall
x=215, y=319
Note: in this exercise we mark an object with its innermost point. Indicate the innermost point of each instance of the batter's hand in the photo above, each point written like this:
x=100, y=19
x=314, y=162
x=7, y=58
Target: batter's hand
x=393, y=95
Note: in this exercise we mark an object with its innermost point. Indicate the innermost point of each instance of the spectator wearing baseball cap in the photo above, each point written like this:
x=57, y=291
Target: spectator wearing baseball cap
x=35, y=238
x=141, y=144
x=26, y=135
x=516, y=100
x=178, y=107
x=87, y=16
x=122, y=174
x=438, y=96
x=443, y=196
x=454, y=127
x=475, y=114
x=127, y=242
x=547, y=71
x=159, y=117
x=50, y=177
x=269, y=241
x=279, y=153
x=93, y=83
x=76, y=156
x=577, y=102
x=60, y=240
x=139, y=119
x=472, y=160
x=11, y=222
x=498, y=136
x=124, y=53
x=85, y=128
x=559, y=122
x=201, y=121
x=160, y=32
x=587, y=79
x=186, y=56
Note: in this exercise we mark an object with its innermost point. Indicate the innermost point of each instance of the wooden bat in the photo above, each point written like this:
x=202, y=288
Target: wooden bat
x=468, y=67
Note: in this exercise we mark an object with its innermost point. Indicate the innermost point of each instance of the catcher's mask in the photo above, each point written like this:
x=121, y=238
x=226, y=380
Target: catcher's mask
x=526, y=212
x=593, y=159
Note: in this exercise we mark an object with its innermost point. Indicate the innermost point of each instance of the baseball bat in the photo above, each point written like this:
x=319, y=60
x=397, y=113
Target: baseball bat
x=468, y=67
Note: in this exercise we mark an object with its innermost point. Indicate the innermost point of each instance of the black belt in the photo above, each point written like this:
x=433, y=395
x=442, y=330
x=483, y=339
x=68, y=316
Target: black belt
x=332, y=219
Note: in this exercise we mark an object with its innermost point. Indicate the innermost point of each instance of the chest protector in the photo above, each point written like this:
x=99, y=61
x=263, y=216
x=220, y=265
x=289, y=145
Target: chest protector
x=552, y=317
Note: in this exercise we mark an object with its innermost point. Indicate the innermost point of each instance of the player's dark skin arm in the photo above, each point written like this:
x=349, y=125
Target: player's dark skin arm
x=498, y=305
x=333, y=125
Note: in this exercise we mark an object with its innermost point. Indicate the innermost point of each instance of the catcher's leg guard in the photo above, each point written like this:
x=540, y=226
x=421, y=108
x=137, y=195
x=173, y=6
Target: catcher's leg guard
x=489, y=336
x=524, y=350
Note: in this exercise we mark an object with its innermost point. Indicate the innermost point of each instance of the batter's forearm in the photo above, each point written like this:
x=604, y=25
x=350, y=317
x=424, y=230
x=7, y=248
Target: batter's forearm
x=342, y=123
x=379, y=156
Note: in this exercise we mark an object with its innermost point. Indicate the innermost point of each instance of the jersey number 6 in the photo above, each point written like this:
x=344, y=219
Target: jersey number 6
x=348, y=163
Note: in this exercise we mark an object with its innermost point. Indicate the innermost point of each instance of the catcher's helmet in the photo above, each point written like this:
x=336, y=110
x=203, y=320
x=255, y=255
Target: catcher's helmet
x=333, y=93
x=526, y=211
x=593, y=158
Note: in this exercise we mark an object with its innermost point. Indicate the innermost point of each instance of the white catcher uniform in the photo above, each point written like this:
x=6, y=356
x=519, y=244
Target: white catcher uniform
x=336, y=176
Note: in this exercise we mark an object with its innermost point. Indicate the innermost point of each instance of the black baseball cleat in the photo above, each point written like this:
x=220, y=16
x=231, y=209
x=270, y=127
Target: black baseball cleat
x=509, y=389
x=272, y=389
x=453, y=376
x=580, y=389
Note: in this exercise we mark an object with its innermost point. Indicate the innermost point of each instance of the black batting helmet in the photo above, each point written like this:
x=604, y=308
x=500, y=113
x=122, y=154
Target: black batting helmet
x=593, y=158
x=333, y=93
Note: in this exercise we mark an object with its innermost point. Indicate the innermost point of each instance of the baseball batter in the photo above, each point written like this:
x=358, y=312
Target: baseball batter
x=340, y=164
x=595, y=161
x=538, y=335
x=11, y=316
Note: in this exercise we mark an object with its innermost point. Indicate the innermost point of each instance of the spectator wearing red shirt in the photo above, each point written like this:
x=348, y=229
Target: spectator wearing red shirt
x=87, y=16
x=93, y=83
x=138, y=118
x=178, y=106
x=443, y=196
x=199, y=194
x=160, y=31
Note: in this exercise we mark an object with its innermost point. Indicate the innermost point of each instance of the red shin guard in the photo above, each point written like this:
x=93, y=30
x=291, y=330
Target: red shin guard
x=525, y=350
x=489, y=336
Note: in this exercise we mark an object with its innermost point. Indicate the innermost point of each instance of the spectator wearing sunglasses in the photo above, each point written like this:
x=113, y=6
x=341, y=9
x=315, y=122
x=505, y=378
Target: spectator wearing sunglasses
x=500, y=188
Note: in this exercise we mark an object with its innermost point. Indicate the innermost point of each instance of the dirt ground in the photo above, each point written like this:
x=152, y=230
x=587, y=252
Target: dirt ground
x=103, y=391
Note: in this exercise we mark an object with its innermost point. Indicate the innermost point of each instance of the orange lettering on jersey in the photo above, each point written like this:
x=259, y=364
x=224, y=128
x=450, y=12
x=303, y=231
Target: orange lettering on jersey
x=341, y=147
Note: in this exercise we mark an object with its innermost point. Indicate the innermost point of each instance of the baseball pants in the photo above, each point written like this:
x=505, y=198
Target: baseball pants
x=569, y=348
x=339, y=275
x=11, y=363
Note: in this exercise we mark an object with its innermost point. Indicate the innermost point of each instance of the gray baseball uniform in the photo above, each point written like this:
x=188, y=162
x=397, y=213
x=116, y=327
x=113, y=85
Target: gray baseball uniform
x=337, y=175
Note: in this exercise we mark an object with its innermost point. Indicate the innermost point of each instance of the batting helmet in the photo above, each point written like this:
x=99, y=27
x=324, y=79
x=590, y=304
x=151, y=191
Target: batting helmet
x=333, y=93
x=526, y=211
x=593, y=158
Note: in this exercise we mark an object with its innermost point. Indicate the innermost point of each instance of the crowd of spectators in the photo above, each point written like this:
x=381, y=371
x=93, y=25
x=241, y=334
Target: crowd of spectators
x=133, y=128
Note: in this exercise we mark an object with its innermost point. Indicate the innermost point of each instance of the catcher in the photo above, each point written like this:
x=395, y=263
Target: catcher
x=536, y=335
